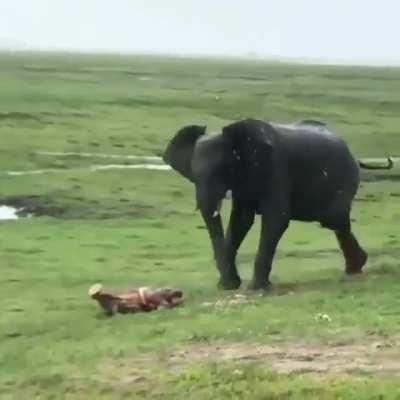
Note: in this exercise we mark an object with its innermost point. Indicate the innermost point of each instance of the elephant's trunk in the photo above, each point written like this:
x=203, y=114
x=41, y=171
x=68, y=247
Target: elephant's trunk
x=366, y=165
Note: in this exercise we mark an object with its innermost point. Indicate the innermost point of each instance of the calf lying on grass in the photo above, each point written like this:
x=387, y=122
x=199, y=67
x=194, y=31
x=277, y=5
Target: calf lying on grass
x=143, y=299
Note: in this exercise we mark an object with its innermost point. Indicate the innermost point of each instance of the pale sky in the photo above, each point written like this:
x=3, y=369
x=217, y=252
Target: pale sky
x=343, y=30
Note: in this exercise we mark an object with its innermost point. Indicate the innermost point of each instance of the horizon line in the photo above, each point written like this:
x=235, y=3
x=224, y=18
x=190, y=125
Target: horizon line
x=250, y=56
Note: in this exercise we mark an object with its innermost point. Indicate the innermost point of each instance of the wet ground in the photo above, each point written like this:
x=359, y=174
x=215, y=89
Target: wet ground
x=14, y=207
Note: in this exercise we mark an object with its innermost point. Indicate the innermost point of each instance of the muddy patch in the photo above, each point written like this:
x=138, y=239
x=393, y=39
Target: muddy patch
x=30, y=205
x=77, y=208
x=381, y=177
x=20, y=116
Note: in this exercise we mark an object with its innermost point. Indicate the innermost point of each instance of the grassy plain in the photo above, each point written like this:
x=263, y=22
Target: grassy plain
x=125, y=227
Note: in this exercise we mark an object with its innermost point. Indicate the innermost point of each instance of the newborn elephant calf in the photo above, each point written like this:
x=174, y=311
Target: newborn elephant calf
x=283, y=172
x=143, y=299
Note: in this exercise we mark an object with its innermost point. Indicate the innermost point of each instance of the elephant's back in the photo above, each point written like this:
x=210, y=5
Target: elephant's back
x=321, y=168
x=314, y=148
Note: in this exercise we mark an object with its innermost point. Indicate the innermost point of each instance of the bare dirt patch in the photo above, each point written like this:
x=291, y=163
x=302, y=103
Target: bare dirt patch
x=317, y=360
x=374, y=357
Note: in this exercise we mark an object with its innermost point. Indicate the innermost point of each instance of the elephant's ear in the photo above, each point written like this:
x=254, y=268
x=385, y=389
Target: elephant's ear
x=252, y=142
x=179, y=151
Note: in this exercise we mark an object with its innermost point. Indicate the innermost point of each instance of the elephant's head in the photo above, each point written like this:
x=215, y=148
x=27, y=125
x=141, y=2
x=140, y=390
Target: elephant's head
x=206, y=160
x=216, y=163
x=203, y=160
x=179, y=151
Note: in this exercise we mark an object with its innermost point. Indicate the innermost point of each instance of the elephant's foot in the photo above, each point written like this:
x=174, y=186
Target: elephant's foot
x=258, y=284
x=230, y=283
x=353, y=253
x=356, y=261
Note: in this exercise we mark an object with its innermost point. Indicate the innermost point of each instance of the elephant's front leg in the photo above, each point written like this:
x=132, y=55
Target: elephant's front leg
x=240, y=222
x=273, y=227
x=215, y=230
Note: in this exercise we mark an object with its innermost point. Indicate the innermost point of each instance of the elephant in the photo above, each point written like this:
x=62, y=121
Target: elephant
x=300, y=172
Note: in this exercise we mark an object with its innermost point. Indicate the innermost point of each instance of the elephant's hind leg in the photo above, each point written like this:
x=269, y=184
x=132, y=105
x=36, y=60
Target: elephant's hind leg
x=338, y=219
x=353, y=253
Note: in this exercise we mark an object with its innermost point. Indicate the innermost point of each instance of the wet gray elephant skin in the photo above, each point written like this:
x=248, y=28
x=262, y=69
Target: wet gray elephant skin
x=282, y=172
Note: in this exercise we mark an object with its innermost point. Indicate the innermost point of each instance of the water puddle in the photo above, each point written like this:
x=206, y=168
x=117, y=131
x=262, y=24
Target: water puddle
x=142, y=162
x=380, y=160
x=7, y=212
x=157, y=167
x=99, y=155
x=93, y=168
x=33, y=172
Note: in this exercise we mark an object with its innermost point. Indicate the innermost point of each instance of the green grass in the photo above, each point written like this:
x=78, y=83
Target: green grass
x=126, y=227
